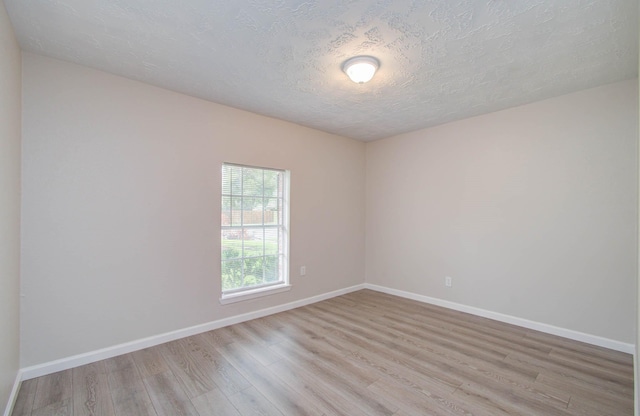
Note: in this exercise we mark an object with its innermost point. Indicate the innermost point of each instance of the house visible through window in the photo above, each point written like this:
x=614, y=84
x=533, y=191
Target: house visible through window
x=254, y=231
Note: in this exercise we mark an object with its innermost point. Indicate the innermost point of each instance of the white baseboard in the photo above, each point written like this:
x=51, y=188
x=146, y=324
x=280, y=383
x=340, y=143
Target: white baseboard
x=525, y=323
x=93, y=356
x=14, y=394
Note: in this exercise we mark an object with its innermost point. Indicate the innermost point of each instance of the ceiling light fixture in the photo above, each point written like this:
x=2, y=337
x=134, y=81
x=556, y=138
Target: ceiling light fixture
x=361, y=68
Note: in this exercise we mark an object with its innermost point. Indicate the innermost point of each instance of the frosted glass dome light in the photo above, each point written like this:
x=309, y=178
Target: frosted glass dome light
x=361, y=68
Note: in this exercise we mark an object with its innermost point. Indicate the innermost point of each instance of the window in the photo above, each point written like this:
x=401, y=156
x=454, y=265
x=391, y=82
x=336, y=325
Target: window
x=254, y=232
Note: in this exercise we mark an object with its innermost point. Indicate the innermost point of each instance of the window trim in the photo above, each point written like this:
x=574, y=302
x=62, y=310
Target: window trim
x=253, y=292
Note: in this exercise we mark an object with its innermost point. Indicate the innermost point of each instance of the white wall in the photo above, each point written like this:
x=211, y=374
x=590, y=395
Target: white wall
x=532, y=211
x=121, y=208
x=10, y=126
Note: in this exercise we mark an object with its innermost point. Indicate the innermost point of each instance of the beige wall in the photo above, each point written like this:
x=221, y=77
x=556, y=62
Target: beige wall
x=532, y=211
x=10, y=124
x=121, y=208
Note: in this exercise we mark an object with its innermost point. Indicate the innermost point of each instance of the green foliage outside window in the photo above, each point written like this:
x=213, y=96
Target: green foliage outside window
x=258, y=269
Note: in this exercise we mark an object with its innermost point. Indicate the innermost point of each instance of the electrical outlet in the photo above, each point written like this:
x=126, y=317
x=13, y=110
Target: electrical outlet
x=303, y=270
x=447, y=281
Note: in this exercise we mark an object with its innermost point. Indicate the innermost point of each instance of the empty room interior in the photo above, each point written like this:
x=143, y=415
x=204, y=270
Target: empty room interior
x=318, y=207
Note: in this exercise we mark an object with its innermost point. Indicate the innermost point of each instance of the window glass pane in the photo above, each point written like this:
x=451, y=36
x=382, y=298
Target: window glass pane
x=271, y=211
x=252, y=182
x=236, y=211
x=231, y=245
x=226, y=211
x=271, y=181
x=252, y=211
x=231, y=274
x=271, y=241
x=281, y=184
x=270, y=217
x=281, y=238
x=226, y=203
x=253, y=247
x=258, y=235
x=226, y=179
x=253, y=271
x=280, y=213
x=236, y=180
x=271, y=273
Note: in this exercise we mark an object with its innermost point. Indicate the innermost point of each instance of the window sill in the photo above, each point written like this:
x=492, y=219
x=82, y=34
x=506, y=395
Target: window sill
x=253, y=294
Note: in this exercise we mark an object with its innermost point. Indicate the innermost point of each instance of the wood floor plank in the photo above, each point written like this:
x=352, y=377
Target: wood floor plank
x=303, y=341
x=422, y=330
x=361, y=354
x=128, y=393
x=347, y=385
x=250, y=402
x=53, y=388
x=376, y=363
x=456, y=350
x=326, y=395
x=515, y=401
x=481, y=404
x=248, y=340
x=316, y=352
x=120, y=362
x=219, y=336
x=214, y=403
x=410, y=378
x=414, y=345
x=226, y=377
x=401, y=413
x=186, y=366
x=616, y=379
x=581, y=361
x=449, y=318
x=443, y=362
x=150, y=361
x=364, y=330
x=418, y=402
x=576, y=347
x=584, y=391
x=91, y=394
x=25, y=399
x=167, y=395
x=571, y=375
x=261, y=329
x=594, y=406
x=283, y=396
x=385, y=360
x=272, y=322
x=61, y=408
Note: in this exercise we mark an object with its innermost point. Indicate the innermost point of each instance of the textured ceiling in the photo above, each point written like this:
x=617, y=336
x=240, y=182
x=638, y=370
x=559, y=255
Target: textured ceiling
x=441, y=60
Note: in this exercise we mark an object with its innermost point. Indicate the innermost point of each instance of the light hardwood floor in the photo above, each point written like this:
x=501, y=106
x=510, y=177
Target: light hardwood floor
x=364, y=353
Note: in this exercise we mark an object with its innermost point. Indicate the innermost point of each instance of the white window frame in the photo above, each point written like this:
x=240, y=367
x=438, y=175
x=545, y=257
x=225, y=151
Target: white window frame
x=252, y=292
